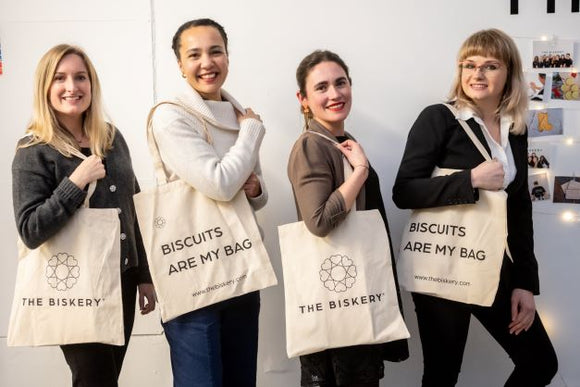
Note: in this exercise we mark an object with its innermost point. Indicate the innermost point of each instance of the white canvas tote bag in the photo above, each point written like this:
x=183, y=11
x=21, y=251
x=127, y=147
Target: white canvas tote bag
x=456, y=252
x=339, y=289
x=200, y=251
x=68, y=290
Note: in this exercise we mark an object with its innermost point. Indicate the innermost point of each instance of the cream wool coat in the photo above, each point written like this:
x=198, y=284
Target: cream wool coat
x=220, y=169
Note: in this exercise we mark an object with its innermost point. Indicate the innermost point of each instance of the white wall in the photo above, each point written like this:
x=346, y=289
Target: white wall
x=401, y=55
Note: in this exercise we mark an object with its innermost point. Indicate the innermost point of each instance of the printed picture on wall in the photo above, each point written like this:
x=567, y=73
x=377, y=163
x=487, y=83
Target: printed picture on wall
x=1, y=71
x=536, y=82
x=567, y=189
x=566, y=86
x=545, y=122
x=539, y=155
x=539, y=186
x=553, y=54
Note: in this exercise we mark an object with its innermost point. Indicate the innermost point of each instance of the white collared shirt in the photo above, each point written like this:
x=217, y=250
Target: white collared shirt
x=501, y=152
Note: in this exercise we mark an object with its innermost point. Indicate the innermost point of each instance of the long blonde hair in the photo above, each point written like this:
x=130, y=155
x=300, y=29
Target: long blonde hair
x=44, y=127
x=497, y=44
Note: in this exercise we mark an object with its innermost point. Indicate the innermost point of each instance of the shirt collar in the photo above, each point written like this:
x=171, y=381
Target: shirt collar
x=505, y=121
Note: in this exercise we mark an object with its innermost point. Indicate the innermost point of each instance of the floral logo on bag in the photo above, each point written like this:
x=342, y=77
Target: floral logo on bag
x=62, y=271
x=159, y=222
x=338, y=273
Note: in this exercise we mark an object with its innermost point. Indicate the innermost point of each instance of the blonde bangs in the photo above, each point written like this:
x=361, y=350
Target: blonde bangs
x=496, y=44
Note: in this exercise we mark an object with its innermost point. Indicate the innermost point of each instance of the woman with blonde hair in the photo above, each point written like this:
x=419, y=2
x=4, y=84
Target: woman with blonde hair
x=489, y=95
x=49, y=185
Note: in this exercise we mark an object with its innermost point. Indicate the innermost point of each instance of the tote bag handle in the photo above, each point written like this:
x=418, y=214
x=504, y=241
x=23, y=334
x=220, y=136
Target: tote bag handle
x=348, y=170
x=469, y=133
x=160, y=172
x=92, y=184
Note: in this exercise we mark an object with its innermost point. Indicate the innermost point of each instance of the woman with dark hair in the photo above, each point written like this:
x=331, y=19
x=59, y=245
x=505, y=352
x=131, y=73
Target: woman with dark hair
x=216, y=345
x=49, y=185
x=489, y=95
x=542, y=162
x=324, y=196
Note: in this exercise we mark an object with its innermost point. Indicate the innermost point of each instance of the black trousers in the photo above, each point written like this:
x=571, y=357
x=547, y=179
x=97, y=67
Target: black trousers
x=99, y=365
x=443, y=327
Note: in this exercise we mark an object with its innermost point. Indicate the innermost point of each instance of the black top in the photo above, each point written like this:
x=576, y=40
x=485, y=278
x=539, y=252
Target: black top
x=396, y=350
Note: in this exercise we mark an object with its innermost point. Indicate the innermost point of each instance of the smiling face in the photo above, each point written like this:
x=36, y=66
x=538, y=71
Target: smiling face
x=203, y=60
x=70, y=90
x=328, y=95
x=483, y=79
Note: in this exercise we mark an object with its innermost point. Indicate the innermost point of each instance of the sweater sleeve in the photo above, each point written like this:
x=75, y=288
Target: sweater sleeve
x=320, y=205
x=42, y=206
x=184, y=148
x=427, y=141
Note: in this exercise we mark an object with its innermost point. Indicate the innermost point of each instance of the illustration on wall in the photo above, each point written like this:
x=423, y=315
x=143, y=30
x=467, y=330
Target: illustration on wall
x=545, y=122
x=567, y=189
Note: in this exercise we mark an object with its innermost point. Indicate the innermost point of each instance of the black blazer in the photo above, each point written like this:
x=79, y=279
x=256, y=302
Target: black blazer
x=437, y=139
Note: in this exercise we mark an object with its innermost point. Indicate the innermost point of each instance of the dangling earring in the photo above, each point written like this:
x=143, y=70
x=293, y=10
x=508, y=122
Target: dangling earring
x=307, y=117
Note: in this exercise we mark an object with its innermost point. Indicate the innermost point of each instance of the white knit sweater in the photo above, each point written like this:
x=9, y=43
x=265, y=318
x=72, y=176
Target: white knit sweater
x=220, y=169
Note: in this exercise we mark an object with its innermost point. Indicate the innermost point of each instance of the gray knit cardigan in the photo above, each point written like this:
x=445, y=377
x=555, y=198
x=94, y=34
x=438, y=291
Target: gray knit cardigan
x=44, y=198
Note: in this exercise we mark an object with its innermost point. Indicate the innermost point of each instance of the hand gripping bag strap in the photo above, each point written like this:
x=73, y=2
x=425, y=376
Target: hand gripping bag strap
x=348, y=169
x=481, y=150
x=92, y=184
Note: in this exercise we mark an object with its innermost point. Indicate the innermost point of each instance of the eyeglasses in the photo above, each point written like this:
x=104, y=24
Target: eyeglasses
x=486, y=68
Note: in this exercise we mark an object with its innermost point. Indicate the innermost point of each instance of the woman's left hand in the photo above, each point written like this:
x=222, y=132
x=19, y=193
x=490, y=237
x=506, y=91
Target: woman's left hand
x=523, y=311
x=146, y=293
x=248, y=114
x=252, y=186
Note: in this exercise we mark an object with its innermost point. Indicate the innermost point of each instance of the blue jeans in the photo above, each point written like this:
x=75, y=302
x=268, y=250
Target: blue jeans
x=216, y=346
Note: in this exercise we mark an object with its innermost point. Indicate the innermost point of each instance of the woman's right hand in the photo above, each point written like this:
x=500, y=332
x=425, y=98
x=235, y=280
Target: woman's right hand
x=91, y=169
x=354, y=153
x=488, y=175
x=248, y=114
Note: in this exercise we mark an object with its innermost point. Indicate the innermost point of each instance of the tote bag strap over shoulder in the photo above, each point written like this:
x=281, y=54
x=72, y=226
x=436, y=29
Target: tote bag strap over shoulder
x=348, y=170
x=469, y=133
x=160, y=172
x=479, y=146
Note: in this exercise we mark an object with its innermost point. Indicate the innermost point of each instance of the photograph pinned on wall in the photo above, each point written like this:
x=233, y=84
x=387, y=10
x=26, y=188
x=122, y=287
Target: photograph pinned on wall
x=567, y=189
x=566, y=86
x=539, y=186
x=545, y=122
x=553, y=54
x=539, y=155
x=536, y=84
